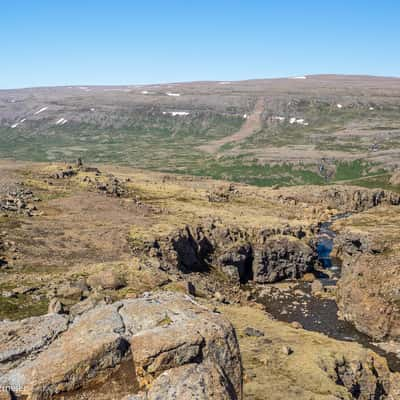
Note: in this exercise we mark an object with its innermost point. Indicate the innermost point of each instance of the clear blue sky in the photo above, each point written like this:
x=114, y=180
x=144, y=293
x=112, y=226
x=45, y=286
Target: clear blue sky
x=65, y=42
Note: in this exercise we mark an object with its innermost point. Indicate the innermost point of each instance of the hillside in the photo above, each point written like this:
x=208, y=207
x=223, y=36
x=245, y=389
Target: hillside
x=287, y=131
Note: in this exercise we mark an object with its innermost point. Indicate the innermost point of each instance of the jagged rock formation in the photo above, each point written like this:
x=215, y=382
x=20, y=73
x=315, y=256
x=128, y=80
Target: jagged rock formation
x=364, y=379
x=348, y=199
x=283, y=258
x=168, y=345
x=368, y=292
x=269, y=255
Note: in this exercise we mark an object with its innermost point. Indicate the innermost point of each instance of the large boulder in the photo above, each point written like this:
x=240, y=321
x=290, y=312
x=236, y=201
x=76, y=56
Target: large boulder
x=162, y=339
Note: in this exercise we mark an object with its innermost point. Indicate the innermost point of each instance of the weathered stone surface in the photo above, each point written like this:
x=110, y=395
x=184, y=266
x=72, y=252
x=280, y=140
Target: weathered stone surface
x=368, y=291
x=166, y=332
x=164, y=348
x=317, y=287
x=368, y=295
x=160, y=328
x=93, y=343
x=106, y=280
x=85, y=306
x=69, y=292
x=364, y=379
x=21, y=339
x=282, y=258
x=249, y=331
x=237, y=262
x=193, y=381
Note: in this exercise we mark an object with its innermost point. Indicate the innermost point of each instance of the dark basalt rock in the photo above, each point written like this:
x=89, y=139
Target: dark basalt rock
x=237, y=262
x=265, y=256
x=281, y=259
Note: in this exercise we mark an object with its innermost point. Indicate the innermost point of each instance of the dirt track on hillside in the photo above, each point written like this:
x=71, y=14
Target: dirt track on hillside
x=250, y=126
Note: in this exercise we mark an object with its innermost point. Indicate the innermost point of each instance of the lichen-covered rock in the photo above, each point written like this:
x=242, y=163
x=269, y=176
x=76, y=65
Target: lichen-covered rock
x=22, y=339
x=368, y=295
x=193, y=381
x=92, y=344
x=364, y=379
x=368, y=291
x=163, y=337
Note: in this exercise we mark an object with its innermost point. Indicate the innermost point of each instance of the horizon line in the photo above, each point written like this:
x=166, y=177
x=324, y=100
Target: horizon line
x=291, y=77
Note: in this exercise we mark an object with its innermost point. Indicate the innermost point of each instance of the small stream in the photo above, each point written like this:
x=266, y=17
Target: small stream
x=295, y=302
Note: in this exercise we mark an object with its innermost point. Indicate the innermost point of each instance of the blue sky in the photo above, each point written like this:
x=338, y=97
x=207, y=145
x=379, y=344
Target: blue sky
x=65, y=42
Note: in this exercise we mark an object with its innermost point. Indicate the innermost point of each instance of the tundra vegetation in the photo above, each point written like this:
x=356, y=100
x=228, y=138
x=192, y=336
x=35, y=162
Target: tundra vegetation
x=163, y=246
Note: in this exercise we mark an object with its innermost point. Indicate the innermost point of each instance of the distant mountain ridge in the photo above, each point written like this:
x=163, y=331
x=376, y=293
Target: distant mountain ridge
x=305, y=129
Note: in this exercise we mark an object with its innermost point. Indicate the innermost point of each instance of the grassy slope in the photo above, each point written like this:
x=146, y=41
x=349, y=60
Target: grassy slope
x=136, y=131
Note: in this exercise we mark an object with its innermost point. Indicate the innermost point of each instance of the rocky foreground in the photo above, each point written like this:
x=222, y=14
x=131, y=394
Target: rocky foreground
x=121, y=284
x=159, y=346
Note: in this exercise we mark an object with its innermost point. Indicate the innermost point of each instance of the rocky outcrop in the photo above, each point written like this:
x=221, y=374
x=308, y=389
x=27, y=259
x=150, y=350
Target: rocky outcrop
x=350, y=244
x=368, y=295
x=266, y=255
x=301, y=364
x=193, y=381
x=365, y=378
x=222, y=194
x=68, y=172
x=344, y=199
x=112, y=186
x=18, y=200
x=282, y=258
x=368, y=291
x=165, y=340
